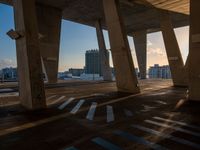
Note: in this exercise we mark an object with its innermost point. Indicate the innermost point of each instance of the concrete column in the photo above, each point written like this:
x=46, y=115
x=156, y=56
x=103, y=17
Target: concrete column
x=173, y=52
x=104, y=57
x=31, y=86
x=194, y=51
x=187, y=62
x=122, y=59
x=186, y=71
x=49, y=22
x=140, y=41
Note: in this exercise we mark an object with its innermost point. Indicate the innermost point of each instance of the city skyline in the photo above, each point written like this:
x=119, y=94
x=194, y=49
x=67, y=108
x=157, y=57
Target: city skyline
x=76, y=39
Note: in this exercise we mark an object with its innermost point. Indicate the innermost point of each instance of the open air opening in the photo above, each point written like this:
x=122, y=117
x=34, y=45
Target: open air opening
x=80, y=61
x=8, y=62
x=182, y=35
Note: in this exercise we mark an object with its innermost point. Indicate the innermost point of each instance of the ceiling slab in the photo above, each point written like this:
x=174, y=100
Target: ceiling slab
x=137, y=14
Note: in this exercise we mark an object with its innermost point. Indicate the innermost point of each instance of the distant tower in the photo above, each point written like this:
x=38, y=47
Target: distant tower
x=92, y=62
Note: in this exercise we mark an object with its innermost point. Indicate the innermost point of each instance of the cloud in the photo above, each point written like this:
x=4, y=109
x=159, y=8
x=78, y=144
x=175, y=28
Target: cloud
x=149, y=43
x=7, y=63
x=156, y=51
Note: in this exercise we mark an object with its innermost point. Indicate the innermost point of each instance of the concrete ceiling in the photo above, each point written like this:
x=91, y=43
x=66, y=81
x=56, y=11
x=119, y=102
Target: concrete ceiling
x=181, y=6
x=137, y=14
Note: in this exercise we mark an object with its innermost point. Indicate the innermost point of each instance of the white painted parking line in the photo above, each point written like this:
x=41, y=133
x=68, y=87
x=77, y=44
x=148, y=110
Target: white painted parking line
x=147, y=108
x=148, y=88
x=77, y=107
x=110, y=114
x=71, y=148
x=62, y=106
x=91, y=111
x=105, y=144
x=171, y=137
x=139, y=140
x=161, y=102
x=173, y=127
x=59, y=99
x=97, y=94
x=128, y=113
x=178, y=122
x=51, y=97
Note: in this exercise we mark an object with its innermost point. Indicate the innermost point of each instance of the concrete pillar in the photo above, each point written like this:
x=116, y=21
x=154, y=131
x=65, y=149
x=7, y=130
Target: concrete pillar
x=49, y=22
x=122, y=59
x=140, y=42
x=194, y=51
x=186, y=71
x=187, y=62
x=173, y=52
x=31, y=86
x=105, y=66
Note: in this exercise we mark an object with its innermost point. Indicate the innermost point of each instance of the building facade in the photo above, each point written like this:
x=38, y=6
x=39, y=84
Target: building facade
x=76, y=71
x=93, y=62
x=9, y=73
x=162, y=72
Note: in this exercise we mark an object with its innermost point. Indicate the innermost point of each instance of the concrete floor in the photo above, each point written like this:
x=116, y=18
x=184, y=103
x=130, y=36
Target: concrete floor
x=158, y=118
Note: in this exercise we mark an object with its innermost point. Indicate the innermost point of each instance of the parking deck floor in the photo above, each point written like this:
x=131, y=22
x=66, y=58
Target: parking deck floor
x=94, y=116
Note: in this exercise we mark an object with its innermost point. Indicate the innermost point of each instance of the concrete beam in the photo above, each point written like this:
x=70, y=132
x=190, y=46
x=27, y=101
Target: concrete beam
x=104, y=58
x=49, y=22
x=194, y=51
x=172, y=49
x=31, y=86
x=122, y=59
x=140, y=42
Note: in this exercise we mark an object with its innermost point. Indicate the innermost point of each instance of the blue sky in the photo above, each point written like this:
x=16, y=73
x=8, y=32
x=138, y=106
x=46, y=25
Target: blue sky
x=77, y=38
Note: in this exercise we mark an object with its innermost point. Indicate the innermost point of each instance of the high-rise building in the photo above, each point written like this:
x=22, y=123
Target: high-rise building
x=165, y=72
x=93, y=62
x=157, y=71
x=154, y=71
